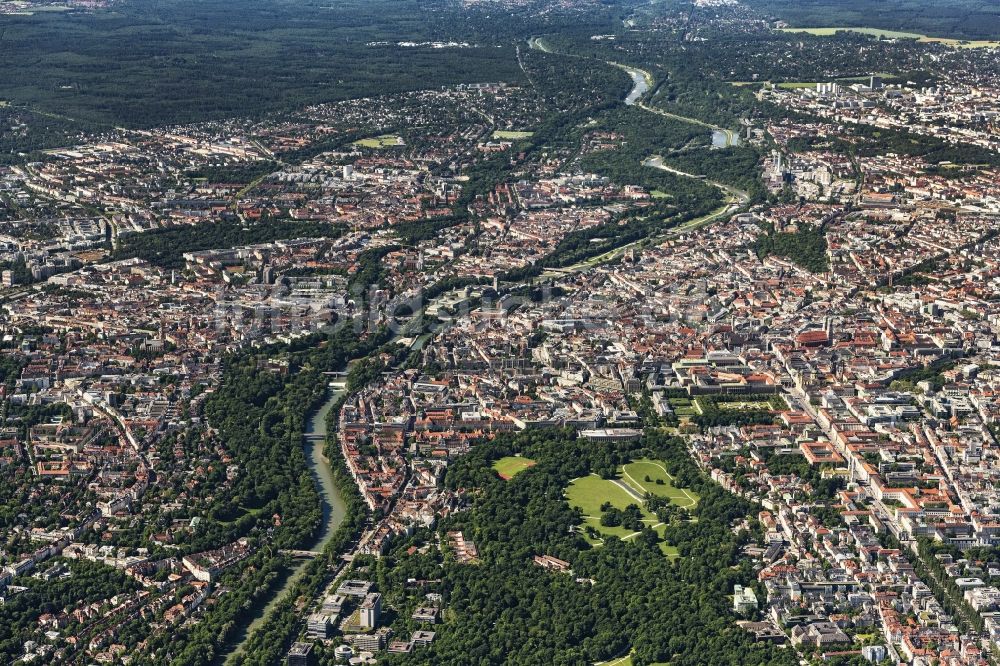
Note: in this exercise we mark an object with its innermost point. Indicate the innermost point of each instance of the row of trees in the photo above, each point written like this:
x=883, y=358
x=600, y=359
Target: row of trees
x=930, y=570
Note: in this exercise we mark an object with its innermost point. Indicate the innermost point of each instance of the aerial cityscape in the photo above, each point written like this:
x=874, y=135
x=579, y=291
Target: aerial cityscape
x=481, y=332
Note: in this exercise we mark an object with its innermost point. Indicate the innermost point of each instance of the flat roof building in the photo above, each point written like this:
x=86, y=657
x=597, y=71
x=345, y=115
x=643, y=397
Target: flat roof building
x=370, y=611
x=354, y=588
x=300, y=654
x=318, y=624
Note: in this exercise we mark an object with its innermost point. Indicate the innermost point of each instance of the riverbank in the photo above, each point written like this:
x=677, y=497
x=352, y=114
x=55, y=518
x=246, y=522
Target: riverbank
x=315, y=435
x=334, y=511
x=641, y=81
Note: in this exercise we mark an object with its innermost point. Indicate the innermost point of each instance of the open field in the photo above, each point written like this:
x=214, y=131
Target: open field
x=588, y=493
x=35, y=10
x=621, y=661
x=893, y=34
x=683, y=407
x=635, y=473
x=511, y=466
x=505, y=134
x=796, y=85
x=384, y=141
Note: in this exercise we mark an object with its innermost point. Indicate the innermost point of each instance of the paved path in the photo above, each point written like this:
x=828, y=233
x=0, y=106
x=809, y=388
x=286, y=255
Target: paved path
x=629, y=489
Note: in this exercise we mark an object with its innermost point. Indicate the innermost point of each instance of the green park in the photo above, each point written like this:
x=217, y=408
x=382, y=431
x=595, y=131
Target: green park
x=511, y=466
x=383, y=141
x=509, y=134
x=597, y=497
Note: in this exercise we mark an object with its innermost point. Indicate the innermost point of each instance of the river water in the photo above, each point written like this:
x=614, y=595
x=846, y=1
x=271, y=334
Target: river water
x=720, y=138
x=333, y=504
x=724, y=139
x=640, y=85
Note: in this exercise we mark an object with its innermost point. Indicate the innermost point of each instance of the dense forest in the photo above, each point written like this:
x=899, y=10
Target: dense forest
x=805, y=247
x=166, y=247
x=622, y=597
x=968, y=19
x=647, y=134
x=149, y=63
x=24, y=131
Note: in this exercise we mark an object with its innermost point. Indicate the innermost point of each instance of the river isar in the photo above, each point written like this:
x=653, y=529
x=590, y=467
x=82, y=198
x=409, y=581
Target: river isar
x=314, y=439
x=640, y=85
x=334, y=510
x=724, y=139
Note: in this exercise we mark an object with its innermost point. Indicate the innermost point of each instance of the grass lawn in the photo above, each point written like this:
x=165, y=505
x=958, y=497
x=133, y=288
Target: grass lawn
x=743, y=406
x=774, y=403
x=659, y=194
x=588, y=493
x=795, y=85
x=893, y=34
x=505, y=134
x=635, y=473
x=684, y=407
x=511, y=466
x=244, y=510
x=384, y=141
